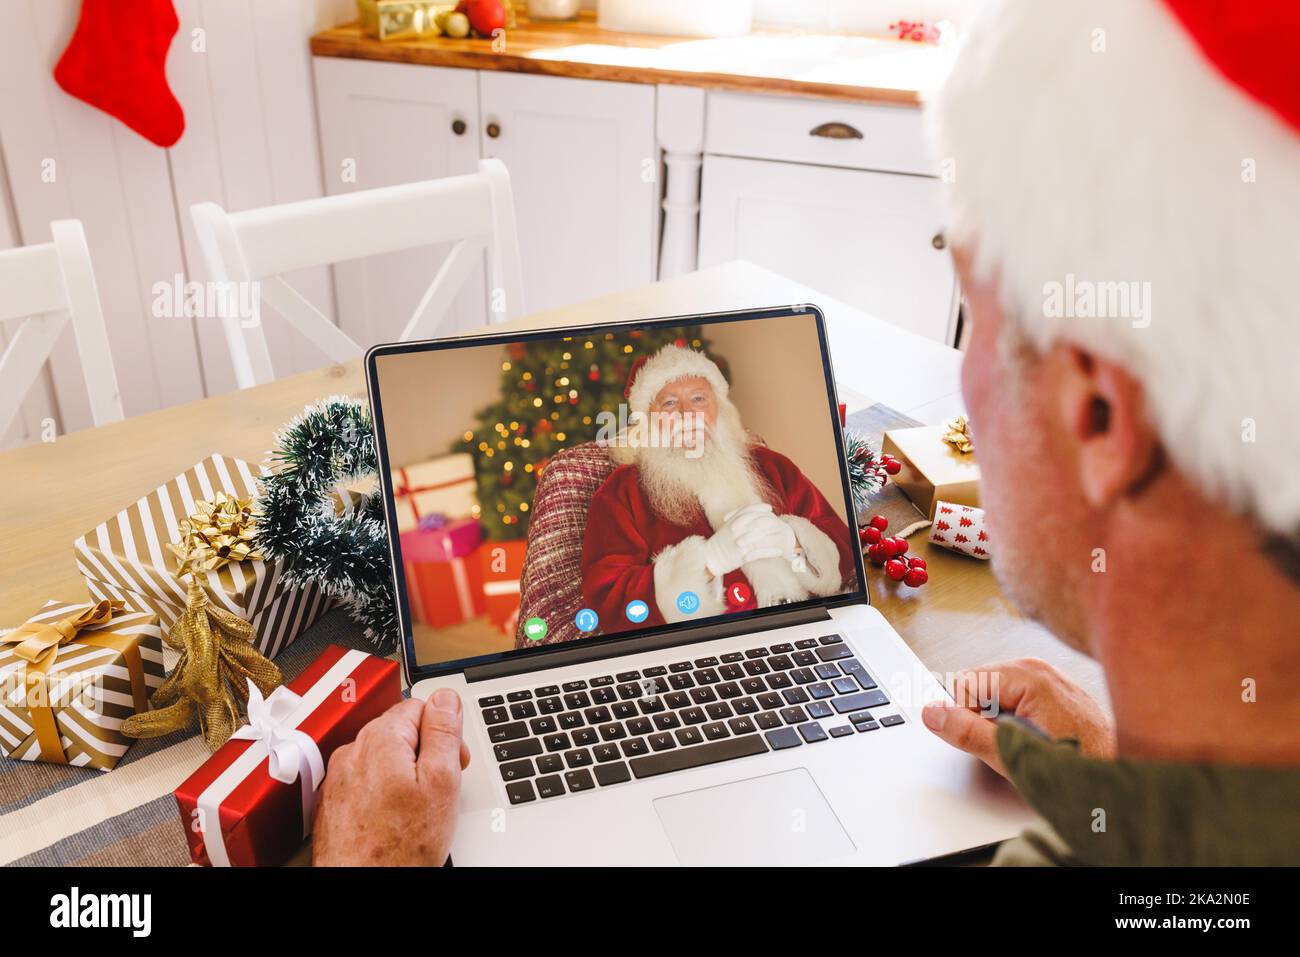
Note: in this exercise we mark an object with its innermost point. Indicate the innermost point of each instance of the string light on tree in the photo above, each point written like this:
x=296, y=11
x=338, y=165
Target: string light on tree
x=551, y=394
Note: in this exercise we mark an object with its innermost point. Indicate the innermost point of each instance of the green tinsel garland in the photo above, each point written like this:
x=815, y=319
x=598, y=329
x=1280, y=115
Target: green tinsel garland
x=327, y=447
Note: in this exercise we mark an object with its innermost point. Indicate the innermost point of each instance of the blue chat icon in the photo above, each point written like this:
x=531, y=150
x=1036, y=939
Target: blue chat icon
x=637, y=611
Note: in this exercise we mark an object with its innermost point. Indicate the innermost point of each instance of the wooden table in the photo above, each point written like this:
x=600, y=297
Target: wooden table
x=56, y=491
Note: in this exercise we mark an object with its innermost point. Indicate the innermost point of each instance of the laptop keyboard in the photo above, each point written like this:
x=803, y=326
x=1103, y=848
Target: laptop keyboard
x=606, y=730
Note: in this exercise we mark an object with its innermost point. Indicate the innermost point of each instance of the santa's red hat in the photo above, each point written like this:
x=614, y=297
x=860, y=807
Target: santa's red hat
x=1154, y=144
x=651, y=373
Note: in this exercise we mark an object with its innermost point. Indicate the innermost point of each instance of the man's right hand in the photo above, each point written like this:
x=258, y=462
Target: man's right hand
x=390, y=798
x=1029, y=688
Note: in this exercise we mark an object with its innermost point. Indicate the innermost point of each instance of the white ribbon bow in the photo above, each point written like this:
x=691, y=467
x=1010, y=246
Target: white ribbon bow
x=292, y=754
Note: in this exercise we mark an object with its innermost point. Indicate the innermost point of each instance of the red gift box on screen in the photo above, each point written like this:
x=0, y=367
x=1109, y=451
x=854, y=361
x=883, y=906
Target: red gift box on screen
x=502, y=564
x=444, y=582
x=251, y=803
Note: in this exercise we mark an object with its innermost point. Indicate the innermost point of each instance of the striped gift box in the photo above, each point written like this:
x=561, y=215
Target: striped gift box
x=87, y=688
x=126, y=558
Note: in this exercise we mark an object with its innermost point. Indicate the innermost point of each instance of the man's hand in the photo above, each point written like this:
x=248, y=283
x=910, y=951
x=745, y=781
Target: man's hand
x=390, y=797
x=1029, y=688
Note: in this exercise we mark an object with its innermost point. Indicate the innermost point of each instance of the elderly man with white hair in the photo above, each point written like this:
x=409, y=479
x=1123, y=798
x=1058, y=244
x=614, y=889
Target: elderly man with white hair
x=1139, y=461
x=1139, y=467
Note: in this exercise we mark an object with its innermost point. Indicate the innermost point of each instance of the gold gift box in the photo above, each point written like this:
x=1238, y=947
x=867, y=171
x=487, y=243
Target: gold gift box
x=932, y=469
x=398, y=19
x=70, y=676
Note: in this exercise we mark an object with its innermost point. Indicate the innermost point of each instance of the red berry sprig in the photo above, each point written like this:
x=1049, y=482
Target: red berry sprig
x=889, y=553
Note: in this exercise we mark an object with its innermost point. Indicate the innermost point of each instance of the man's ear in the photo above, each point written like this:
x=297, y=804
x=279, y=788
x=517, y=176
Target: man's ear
x=1104, y=412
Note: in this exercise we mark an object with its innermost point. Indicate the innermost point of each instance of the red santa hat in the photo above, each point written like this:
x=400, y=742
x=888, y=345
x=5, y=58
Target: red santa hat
x=651, y=373
x=1150, y=148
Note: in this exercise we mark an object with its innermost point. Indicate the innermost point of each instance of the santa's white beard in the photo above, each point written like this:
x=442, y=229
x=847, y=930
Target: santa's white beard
x=682, y=481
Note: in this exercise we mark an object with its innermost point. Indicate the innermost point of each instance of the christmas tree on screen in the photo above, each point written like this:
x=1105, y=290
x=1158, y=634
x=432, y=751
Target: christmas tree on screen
x=552, y=393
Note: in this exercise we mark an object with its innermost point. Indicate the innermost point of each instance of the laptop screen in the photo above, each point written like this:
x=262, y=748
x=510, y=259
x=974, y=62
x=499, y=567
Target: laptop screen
x=557, y=487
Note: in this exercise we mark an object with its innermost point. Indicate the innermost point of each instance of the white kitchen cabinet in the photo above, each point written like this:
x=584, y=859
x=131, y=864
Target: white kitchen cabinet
x=583, y=167
x=387, y=123
x=870, y=239
x=843, y=197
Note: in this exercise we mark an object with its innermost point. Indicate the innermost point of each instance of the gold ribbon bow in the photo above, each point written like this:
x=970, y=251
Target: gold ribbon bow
x=38, y=643
x=219, y=531
x=210, y=681
x=218, y=658
x=958, y=435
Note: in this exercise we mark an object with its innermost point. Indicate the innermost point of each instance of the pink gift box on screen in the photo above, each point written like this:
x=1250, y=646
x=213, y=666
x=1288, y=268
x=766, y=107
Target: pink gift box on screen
x=443, y=584
x=457, y=538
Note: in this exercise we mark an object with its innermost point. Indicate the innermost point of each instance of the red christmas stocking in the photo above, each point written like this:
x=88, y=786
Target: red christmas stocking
x=116, y=62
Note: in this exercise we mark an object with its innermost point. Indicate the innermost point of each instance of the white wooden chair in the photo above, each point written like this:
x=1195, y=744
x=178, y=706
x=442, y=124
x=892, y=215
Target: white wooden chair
x=48, y=284
x=474, y=213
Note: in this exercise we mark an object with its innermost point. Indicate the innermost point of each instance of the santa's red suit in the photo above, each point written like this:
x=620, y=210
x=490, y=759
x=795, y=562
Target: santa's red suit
x=630, y=552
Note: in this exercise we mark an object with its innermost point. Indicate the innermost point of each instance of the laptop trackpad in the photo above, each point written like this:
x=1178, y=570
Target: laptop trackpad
x=775, y=819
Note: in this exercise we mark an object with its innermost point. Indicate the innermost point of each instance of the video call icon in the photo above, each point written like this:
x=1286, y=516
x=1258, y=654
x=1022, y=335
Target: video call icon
x=535, y=629
x=637, y=611
x=586, y=620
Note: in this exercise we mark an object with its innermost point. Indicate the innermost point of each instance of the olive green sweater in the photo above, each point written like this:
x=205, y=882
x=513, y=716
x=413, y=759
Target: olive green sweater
x=1146, y=813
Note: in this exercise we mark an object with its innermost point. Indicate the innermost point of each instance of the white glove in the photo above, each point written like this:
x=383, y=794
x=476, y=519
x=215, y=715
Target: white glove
x=722, y=552
x=763, y=535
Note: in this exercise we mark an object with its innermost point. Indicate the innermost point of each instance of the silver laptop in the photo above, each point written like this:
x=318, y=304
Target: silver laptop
x=631, y=550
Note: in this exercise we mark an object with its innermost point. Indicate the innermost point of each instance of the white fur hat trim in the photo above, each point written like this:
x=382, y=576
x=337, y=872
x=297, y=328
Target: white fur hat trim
x=1091, y=150
x=667, y=365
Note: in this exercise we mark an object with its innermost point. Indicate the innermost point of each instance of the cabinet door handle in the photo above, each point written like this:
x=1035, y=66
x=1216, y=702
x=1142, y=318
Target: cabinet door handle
x=939, y=241
x=836, y=131
x=493, y=130
x=458, y=127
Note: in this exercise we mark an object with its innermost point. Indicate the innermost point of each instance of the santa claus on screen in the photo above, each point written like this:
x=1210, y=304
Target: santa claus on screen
x=696, y=509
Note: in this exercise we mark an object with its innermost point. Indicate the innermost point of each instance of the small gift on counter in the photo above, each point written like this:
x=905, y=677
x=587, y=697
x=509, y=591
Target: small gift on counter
x=442, y=486
x=934, y=466
x=503, y=566
x=199, y=523
x=251, y=803
x=70, y=676
x=444, y=583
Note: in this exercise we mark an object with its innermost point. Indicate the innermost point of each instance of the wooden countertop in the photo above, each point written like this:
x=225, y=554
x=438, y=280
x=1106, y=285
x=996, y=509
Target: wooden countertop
x=831, y=66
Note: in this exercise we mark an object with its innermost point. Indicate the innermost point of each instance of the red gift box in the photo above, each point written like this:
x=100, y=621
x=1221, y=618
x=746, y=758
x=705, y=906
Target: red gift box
x=263, y=821
x=502, y=564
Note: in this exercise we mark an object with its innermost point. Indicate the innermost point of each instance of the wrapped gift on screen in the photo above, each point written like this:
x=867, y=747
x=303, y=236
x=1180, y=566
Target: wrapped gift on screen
x=70, y=676
x=933, y=467
x=139, y=555
x=502, y=564
x=251, y=803
x=440, y=486
x=444, y=581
